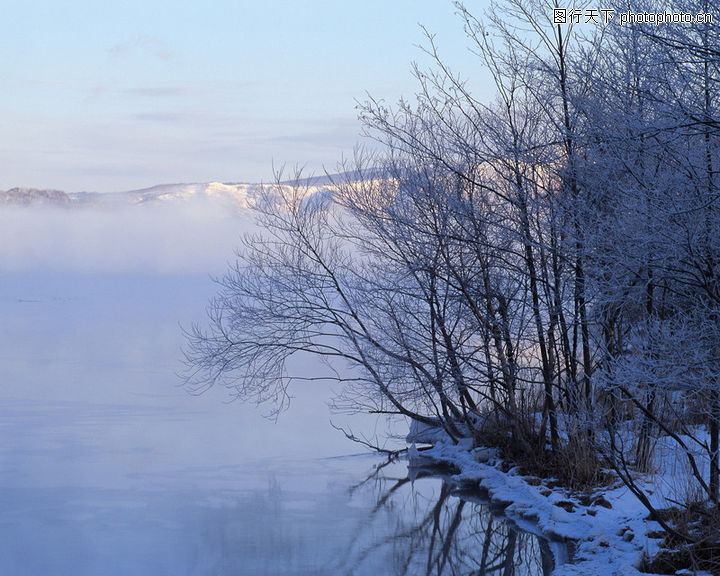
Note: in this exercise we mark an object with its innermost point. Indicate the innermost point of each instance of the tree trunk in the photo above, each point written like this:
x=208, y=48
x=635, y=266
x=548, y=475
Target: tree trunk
x=714, y=433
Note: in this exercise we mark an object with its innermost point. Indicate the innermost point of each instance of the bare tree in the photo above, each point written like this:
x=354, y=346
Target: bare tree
x=518, y=271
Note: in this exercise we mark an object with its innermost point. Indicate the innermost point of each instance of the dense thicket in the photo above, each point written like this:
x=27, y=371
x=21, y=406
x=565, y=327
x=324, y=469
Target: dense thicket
x=541, y=272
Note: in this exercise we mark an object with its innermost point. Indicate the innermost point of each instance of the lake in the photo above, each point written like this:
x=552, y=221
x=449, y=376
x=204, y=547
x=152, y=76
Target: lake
x=109, y=466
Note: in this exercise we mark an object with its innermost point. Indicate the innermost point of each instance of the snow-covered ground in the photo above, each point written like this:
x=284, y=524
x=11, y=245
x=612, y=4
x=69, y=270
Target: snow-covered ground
x=610, y=533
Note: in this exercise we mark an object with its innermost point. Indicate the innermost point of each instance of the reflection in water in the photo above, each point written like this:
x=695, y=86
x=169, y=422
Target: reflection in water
x=108, y=468
x=308, y=517
x=438, y=530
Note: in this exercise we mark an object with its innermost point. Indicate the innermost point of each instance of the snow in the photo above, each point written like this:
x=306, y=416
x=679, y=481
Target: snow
x=423, y=433
x=608, y=541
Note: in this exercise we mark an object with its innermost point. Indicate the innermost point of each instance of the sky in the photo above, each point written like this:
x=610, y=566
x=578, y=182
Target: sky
x=120, y=96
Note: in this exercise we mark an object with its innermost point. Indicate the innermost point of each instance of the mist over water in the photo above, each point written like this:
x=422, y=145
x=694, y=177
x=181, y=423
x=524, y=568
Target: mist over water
x=108, y=465
x=197, y=237
x=93, y=303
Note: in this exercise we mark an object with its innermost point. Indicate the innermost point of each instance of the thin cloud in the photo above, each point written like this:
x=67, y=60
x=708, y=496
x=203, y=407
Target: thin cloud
x=145, y=44
x=343, y=132
x=160, y=117
x=160, y=91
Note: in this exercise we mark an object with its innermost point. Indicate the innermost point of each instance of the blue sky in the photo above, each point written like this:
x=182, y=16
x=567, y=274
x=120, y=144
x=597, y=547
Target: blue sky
x=116, y=96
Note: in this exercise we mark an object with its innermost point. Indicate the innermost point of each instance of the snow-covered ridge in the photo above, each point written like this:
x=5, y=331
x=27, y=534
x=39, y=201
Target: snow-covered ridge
x=236, y=196
x=28, y=196
x=233, y=194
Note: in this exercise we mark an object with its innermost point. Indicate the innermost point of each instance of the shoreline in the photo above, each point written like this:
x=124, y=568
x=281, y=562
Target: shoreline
x=608, y=527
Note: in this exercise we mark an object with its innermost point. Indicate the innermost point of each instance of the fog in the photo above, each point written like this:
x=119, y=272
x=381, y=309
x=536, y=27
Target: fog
x=104, y=450
x=178, y=237
x=93, y=302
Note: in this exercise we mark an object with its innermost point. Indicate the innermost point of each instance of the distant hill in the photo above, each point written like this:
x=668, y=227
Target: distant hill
x=28, y=196
x=234, y=195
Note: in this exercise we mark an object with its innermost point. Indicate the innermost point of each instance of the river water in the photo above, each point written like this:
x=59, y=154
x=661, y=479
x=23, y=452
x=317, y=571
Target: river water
x=109, y=467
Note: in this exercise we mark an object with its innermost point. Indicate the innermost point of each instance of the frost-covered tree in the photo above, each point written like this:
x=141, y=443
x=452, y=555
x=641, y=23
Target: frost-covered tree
x=519, y=271
x=654, y=260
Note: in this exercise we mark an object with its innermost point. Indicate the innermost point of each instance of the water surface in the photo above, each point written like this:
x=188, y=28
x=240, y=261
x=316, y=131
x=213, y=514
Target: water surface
x=109, y=467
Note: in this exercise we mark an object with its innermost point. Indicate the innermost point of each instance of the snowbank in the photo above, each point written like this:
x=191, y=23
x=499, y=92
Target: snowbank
x=609, y=528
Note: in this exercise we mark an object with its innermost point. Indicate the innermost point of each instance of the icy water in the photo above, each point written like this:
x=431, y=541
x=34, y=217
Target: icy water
x=109, y=467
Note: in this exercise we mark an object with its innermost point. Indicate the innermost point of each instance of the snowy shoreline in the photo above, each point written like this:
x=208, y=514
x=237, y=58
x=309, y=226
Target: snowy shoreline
x=610, y=530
